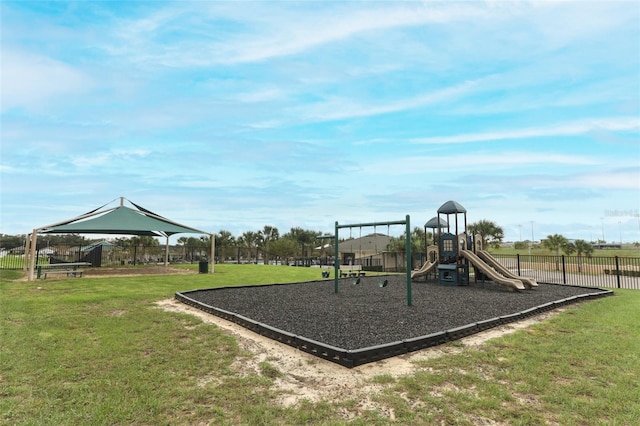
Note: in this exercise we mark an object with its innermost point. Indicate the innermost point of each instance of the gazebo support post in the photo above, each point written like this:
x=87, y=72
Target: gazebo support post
x=32, y=255
x=27, y=250
x=166, y=252
x=213, y=252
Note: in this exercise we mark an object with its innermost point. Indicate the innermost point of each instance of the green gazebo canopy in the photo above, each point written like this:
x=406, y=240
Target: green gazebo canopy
x=120, y=220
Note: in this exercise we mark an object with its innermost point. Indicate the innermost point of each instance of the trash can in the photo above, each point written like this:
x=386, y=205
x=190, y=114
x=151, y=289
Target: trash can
x=203, y=267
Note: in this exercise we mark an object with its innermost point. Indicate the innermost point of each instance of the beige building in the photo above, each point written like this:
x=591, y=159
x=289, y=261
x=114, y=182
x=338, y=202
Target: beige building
x=373, y=252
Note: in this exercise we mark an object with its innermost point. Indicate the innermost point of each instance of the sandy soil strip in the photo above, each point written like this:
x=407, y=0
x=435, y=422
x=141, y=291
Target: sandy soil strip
x=314, y=379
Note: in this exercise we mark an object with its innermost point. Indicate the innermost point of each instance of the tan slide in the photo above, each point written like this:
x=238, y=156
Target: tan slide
x=493, y=262
x=432, y=253
x=424, y=270
x=490, y=272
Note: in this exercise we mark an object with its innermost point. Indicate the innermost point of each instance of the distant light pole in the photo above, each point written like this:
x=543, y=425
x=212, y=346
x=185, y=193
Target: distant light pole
x=530, y=245
x=532, y=239
x=520, y=227
x=603, y=240
x=620, y=229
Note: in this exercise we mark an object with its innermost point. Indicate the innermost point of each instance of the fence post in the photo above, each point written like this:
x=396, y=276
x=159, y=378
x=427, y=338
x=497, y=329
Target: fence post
x=518, y=263
x=618, y=272
x=564, y=272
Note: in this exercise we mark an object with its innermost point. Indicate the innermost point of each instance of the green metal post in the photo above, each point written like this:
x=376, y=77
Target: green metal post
x=408, y=252
x=336, y=262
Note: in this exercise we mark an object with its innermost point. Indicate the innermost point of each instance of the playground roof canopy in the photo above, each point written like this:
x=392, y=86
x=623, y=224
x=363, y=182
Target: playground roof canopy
x=451, y=207
x=120, y=220
x=434, y=221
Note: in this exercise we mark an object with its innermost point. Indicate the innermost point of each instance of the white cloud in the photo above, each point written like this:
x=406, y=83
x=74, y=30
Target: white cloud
x=339, y=108
x=260, y=95
x=4, y=168
x=452, y=165
x=624, y=179
x=564, y=129
x=30, y=80
x=291, y=33
x=108, y=158
x=199, y=184
x=269, y=31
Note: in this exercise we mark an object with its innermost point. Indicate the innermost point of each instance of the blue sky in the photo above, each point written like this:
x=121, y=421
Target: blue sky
x=236, y=115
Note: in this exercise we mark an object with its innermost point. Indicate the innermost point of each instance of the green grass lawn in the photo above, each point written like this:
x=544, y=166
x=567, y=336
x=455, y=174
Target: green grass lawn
x=98, y=351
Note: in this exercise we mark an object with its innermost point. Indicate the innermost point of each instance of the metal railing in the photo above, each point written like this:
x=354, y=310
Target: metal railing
x=111, y=256
x=597, y=271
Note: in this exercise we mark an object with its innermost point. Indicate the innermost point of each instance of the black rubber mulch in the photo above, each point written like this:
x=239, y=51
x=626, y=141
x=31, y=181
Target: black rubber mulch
x=366, y=314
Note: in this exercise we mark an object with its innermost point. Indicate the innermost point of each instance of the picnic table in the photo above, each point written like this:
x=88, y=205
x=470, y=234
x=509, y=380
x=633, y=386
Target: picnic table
x=70, y=269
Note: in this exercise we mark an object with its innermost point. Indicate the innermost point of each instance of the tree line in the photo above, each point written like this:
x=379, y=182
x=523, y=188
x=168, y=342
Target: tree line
x=300, y=242
x=266, y=243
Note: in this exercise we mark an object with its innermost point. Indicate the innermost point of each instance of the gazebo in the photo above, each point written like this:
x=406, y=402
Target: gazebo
x=119, y=220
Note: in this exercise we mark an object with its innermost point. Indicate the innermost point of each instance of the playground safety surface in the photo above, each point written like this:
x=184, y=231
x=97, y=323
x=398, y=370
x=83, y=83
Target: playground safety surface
x=365, y=322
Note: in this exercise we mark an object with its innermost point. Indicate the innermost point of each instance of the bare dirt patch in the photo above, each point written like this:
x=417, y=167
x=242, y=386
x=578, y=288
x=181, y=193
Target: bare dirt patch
x=308, y=377
x=135, y=271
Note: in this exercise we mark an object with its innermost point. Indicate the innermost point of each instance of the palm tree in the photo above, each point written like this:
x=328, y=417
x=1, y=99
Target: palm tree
x=398, y=244
x=249, y=240
x=418, y=240
x=488, y=230
x=224, y=241
x=267, y=235
x=556, y=242
x=284, y=247
x=183, y=242
x=582, y=247
x=145, y=243
x=303, y=237
x=191, y=246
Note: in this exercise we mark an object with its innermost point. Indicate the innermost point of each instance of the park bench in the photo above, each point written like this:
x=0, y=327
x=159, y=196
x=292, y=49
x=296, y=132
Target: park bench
x=347, y=270
x=623, y=272
x=351, y=271
x=70, y=269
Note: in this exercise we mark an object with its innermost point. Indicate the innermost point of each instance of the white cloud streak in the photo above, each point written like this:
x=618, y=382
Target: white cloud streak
x=109, y=158
x=564, y=129
x=272, y=31
x=340, y=108
x=31, y=80
x=455, y=164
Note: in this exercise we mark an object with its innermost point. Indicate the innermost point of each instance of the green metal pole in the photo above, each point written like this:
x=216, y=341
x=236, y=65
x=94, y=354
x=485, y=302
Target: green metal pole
x=408, y=251
x=336, y=262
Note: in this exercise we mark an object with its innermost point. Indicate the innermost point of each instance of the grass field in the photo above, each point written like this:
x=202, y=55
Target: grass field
x=99, y=351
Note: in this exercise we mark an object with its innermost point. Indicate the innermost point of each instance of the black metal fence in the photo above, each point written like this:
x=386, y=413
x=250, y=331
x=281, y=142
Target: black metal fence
x=101, y=255
x=600, y=271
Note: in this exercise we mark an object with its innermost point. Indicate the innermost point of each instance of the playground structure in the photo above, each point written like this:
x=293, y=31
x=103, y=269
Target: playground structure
x=432, y=254
x=457, y=251
x=451, y=256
